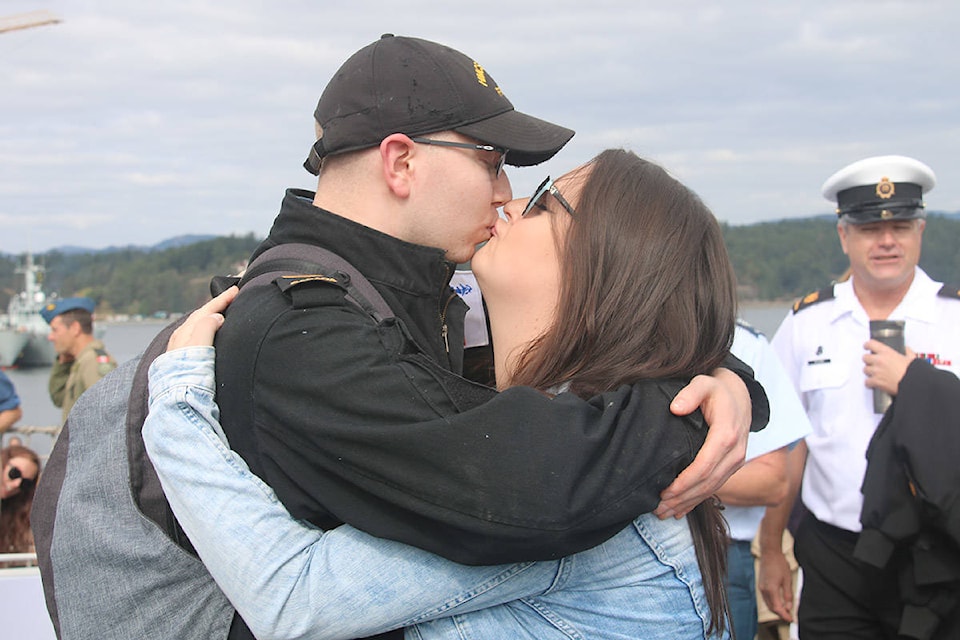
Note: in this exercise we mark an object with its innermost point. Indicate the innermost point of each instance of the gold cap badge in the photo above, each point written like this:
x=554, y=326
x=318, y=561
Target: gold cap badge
x=885, y=188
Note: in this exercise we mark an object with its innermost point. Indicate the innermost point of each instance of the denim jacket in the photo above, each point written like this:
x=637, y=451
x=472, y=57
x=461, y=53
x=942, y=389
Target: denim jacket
x=289, y=579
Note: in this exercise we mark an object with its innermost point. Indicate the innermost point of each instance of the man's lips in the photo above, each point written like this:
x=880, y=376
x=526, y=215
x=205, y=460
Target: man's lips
x=885, y=259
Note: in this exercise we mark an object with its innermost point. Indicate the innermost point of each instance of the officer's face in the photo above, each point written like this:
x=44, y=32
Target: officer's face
x=62, y=335
x=882, y=254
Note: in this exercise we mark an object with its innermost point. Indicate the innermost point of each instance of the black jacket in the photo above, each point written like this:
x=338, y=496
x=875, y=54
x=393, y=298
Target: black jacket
x=367, y=424
x=350, y=421
x=911, y=500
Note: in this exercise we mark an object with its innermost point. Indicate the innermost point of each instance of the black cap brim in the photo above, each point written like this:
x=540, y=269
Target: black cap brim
x=529, y=140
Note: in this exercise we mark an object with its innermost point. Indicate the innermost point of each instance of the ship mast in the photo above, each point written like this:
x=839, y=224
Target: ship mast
x=30, y=271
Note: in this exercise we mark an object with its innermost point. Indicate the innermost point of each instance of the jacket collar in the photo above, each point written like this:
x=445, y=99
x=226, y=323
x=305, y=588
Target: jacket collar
x=381, y=258
x=919, y=303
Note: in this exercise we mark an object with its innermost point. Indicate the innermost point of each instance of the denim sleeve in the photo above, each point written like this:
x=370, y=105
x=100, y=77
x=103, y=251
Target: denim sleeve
x=287, y=578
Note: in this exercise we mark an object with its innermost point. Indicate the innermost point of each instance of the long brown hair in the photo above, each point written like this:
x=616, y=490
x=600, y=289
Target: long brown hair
x=647, y=291
x=15, y=533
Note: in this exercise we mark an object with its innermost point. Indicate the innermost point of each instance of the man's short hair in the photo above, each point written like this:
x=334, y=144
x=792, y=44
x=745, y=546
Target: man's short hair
x=84, y=317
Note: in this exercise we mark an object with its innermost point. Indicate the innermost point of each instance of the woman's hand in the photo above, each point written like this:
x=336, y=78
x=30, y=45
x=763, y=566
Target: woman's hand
x=200, y=327
x=885, y=366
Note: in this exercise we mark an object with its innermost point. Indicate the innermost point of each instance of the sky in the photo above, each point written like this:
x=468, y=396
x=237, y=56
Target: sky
x=133, y=122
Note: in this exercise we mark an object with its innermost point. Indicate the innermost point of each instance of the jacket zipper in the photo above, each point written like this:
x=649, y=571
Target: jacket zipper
x=443, y=315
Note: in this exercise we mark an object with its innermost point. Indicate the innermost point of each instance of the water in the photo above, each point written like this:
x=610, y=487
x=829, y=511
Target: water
x=126, y=340
x=765, y=317
x=123, y=341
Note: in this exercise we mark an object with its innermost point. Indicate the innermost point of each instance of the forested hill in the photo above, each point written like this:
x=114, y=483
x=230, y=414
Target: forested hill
x=134, y=281
x=774, y=261
x=787, y=259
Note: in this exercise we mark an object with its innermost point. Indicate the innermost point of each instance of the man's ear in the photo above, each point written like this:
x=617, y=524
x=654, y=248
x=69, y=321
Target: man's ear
x=842, y=233
x=397, y=159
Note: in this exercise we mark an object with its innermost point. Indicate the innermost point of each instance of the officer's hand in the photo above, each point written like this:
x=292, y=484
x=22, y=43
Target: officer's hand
x=200, y=327
x=776, y=583
x=725, y=402
x=885, y=366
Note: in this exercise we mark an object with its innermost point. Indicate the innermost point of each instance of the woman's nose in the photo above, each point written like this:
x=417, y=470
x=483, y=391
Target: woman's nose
x=514, y=209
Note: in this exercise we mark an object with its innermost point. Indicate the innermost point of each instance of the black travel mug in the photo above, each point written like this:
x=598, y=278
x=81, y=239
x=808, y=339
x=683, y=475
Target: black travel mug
x=890, y=333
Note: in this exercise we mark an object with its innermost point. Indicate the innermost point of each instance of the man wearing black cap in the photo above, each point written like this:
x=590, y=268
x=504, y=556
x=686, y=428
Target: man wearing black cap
x=340, y=416
x=82, y=359
x=824, y=344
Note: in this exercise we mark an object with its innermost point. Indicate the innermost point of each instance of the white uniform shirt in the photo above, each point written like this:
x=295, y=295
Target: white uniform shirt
x=821, y=347
x=788, y=422
x=475, y=324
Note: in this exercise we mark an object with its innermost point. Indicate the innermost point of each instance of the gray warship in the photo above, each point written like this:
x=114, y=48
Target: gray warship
x=23, y=331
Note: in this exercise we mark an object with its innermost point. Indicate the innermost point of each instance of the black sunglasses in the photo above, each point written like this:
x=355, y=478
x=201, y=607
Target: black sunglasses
x=25, y=483
x=546, y=187
x=466, y=145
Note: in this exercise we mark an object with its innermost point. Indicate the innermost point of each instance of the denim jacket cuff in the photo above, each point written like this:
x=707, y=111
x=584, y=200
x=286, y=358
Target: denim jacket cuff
x=187, y=367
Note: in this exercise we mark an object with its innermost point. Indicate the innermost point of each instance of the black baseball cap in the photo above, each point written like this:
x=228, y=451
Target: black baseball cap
x=415, y=87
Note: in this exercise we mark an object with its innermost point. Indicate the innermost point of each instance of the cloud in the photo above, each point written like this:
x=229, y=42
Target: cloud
x=131, y=122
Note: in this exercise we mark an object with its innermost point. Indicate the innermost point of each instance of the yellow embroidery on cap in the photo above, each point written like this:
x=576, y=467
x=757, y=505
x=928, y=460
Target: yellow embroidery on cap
x=885, y=188
x=481, y=74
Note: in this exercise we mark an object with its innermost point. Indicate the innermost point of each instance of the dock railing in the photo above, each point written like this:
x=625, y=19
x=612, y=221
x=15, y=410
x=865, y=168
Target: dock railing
x=26, y=436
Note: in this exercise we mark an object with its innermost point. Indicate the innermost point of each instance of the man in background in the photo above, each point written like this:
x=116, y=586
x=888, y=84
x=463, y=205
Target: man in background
x=822, y=345
x=81, y=358
x=762, y=481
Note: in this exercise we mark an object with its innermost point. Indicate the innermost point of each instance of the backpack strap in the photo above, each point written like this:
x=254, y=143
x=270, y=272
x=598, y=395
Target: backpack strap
x=306, y=260
x=274, y=263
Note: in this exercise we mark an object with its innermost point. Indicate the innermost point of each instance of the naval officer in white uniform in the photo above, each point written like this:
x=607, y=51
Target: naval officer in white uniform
x=822, y=344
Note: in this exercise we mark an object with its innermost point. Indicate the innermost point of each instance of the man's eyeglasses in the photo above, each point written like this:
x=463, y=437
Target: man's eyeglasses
x=546, y=187
x=25, y=483
x=466, y=145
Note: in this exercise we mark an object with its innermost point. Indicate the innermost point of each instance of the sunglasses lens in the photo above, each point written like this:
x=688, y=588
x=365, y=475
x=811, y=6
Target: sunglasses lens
x=539, y=193
x=25, y=483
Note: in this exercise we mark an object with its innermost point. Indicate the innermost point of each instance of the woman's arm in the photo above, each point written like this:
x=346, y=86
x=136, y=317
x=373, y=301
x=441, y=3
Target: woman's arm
x=288, y=579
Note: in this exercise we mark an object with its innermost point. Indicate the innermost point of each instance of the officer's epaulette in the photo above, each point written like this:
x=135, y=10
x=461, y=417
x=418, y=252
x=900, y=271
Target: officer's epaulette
x=746, y=326
x=286, y=282
x=813, y=298
x=949, y=291
x=309, y=290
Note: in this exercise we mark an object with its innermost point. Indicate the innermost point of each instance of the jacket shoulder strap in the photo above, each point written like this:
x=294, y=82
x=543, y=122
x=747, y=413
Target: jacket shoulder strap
x=303, y=260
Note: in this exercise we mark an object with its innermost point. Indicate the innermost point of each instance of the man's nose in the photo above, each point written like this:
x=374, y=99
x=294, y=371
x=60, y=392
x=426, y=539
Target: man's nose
x=502, y=191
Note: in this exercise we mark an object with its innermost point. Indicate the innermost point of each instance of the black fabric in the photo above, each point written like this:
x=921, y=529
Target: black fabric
x=43, y=515
x=412, y=86
x=863, y=204
x=144, y=483
x=370, y=424
x=842, y=598
x=911, y=506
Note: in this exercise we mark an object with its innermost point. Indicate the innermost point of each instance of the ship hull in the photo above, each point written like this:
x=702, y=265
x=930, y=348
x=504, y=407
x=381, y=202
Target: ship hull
x=37, y=352
x=12, y=344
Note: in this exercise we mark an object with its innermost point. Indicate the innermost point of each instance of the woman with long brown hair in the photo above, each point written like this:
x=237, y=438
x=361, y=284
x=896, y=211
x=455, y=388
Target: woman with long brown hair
x=616, y=274
x=20, y=469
